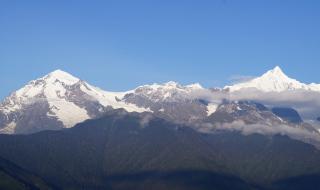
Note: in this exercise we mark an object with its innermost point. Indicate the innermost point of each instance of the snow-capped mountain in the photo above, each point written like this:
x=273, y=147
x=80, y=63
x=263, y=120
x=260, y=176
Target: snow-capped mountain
x=170, y=91
x=57, y=100
x=274, y=81
x=60, y=100
x=172, y=101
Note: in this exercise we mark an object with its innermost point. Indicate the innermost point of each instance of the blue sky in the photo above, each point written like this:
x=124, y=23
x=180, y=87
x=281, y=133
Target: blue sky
x=118, y=45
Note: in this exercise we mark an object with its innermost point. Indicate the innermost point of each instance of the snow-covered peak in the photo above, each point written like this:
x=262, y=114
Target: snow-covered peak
x=277, y=70
x=172, y=84
x=195, y=86
x=155, y=86
x=274, y=80
x=167, y=91
x=276, y=74
x=61, y=76
x=54, y=81
x=62, y=97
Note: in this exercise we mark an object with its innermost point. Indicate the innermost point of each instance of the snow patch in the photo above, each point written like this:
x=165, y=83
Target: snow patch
x=66, y=112
x=112, y=99
x=8, y=129
x=29, y=91
x=211, y=108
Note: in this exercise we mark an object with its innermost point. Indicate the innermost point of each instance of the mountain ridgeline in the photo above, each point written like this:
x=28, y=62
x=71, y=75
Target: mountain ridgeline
x=60, y=132
x=59, y=100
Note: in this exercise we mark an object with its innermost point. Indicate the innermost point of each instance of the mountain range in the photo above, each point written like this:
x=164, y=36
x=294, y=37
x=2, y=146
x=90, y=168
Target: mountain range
x=60, y=100
x=60, y=132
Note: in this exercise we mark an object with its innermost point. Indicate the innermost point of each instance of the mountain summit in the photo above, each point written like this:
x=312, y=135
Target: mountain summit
x=274, y=80
x=57, y=100
x=62, y=76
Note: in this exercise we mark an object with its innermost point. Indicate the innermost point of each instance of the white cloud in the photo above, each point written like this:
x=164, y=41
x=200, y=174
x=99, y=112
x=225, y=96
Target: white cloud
x=292, y=132
x=307, y=103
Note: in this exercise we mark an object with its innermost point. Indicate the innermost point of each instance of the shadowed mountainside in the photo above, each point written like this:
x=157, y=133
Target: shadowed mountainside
x=14, y=177
x=139, y=151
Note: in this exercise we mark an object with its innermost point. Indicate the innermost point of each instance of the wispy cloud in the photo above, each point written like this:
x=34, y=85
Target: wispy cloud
x=234, y=79
x=307, y=103
x=292, y=132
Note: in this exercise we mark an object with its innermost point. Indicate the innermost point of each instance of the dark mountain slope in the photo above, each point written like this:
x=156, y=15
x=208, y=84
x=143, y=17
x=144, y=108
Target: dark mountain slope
x=140, y=151
x=264, y=159
x=299, y=182
x=288, y=114
x=89, y=155
x=14, y=177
